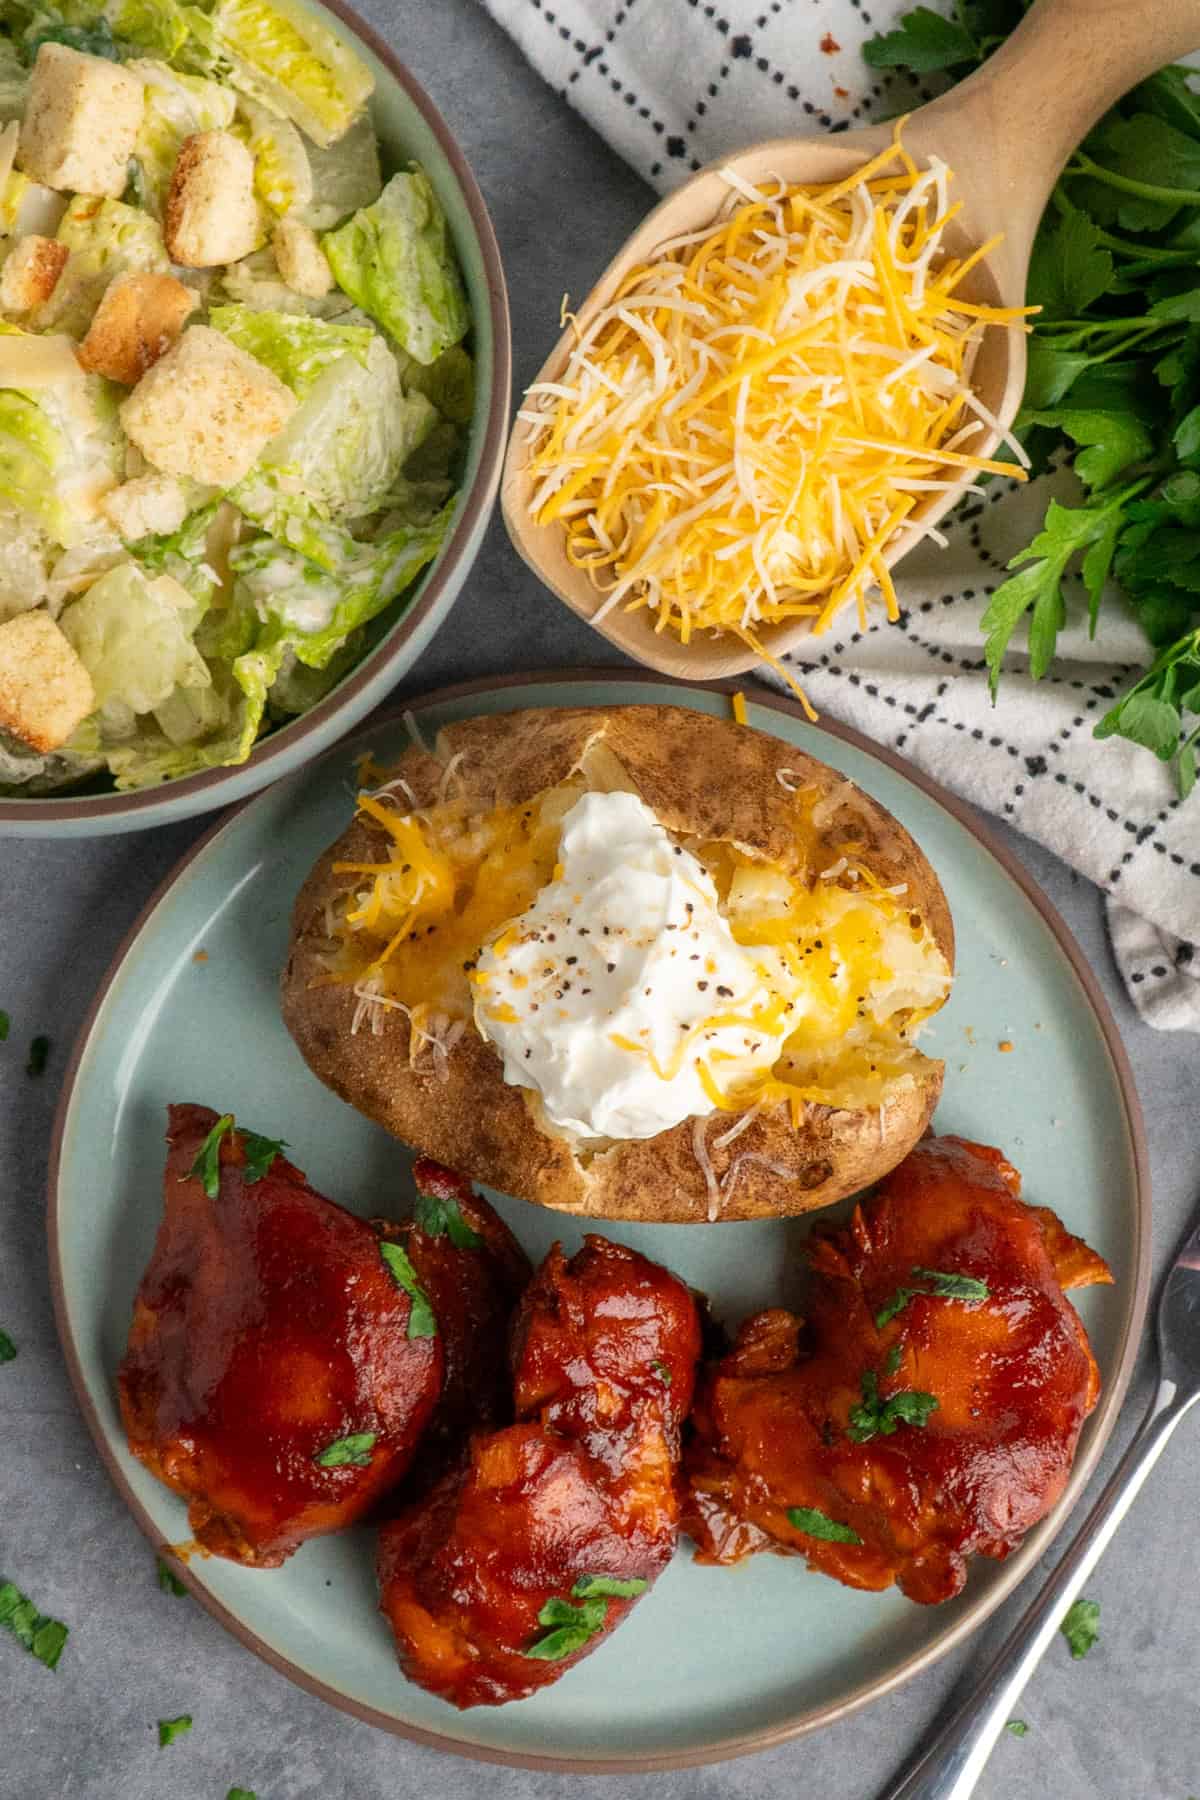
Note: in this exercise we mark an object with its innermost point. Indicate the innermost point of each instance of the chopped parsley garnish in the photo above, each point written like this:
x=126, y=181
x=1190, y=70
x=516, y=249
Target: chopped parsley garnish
x=42, y=1637
x=880, y=1418
x=892, y=1360
x=1018, y=1727
x=260, y=1153
x=1081, y=1627
x=8, y=1349
x=39, y=1056
x=170, y=1729
x=168, y=1581
x=421, y=1320
x=937, y=1283
x=4, y=1025
x=817, y=1524
x=571, y=1626
x=207, y=1166
x=240, y=1794
x=439, y=1216
x=621, y=1588
x=353, y=1452
x=662, y=1371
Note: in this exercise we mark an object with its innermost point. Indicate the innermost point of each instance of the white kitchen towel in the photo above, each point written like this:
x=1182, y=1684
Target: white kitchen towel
x=674, y=84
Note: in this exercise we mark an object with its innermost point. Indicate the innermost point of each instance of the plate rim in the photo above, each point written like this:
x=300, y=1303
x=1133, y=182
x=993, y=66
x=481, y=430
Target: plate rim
x=1014, y=1569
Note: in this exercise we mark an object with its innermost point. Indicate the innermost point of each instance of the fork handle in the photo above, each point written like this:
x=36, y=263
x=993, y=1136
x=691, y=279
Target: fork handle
x=948, y=1765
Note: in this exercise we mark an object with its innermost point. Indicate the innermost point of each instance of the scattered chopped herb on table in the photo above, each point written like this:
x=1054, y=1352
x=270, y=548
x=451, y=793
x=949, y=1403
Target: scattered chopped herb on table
x=168, y=1581
x=170, y=1729
x=240, y=1794
x=1114, y=382
x=8, y=1349
x=1018, y=1727
x=1081, y=1627
x=5, y=1022
x=42, y=1637
x=39, y=1056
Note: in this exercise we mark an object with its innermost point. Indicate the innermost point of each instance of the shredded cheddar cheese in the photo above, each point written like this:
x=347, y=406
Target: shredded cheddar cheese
x=738, y=705
x=741, y=433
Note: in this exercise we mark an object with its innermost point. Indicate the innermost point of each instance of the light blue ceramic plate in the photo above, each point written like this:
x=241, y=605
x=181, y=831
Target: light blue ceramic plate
x=409, y=128
x=715, y=1662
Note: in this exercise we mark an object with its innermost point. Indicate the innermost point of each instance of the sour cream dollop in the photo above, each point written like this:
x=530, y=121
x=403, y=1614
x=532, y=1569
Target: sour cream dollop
x=622, y=978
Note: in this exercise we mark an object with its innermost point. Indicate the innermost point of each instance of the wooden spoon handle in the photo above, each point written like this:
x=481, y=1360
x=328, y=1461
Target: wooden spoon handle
x=1008, y=129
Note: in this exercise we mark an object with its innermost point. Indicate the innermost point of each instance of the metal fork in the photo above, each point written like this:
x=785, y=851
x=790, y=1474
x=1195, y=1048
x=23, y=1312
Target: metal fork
x=948, y=1765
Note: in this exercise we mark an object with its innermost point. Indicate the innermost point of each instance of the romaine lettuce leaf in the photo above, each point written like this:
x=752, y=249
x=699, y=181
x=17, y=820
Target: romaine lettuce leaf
x=282, y=176
x=134, y=637
x=293, y=346
x=343, y=177
x=26, y=206
x=284, y=56
x=105, y=238
x=26, y=773
x=176, y=106
x=449, y=383
x=312, y=610
x=197, y=729
x=338, y=456
x=256, y=284
x=103, y=27
x=184, y=554
x=24, y=562
x=14, y=82
x=60, y=450
x=396, y=261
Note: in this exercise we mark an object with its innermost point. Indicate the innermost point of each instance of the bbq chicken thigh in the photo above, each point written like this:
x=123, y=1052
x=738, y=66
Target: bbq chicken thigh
x=473, y=1272
x=928, y=1407
x=283, y=1361
x=524, y=1557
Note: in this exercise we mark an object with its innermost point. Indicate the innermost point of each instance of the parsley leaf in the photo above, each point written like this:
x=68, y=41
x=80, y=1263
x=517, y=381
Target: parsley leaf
x=240, y=1794
x=923, y=41
x=662, y=1371
x=880, y=1418
x=940, y=1284
x=260, y=1154
x=168, y=1581
x=439, y=1216
x=42, y=1637
x=8, y=1349
x=1018, y=1727
x=1081, y=1627
x=570, y=1628
x=1069, y=267
x=207, y=1166
x=170, y=1729
x=620, y=1587
x=817, y=1524
x=421, y=1319
x=5, y=1022
x=353, y=1452
x=39, y=1056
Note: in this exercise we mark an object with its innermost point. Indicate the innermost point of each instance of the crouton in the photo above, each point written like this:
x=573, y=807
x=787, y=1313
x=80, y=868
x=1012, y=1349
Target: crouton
x=206, y=409
x=45, y=691
x=136, y=322
x=148, y=503
x=30, y=273
x=301, y=260
x=211, y=215
x=81, y=120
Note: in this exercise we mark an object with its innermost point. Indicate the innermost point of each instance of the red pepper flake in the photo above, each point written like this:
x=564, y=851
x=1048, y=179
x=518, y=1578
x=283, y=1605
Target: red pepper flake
x=829, y=44
x=842, y=93
x=201, y=956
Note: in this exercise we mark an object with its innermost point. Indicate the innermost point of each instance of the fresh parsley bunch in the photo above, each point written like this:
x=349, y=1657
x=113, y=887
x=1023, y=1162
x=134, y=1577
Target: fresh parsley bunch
x=1114, y=380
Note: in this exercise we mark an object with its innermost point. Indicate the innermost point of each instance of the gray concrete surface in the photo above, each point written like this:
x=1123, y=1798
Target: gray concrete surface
x=1121, y=1726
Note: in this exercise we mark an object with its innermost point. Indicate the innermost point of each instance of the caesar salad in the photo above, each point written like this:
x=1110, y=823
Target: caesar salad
x=234, y=389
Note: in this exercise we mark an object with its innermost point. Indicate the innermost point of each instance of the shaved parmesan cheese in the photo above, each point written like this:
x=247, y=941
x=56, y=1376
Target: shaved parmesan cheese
x=738, y=438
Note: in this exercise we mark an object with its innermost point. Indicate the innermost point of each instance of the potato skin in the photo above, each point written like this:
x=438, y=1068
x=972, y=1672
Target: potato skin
x=706, y=778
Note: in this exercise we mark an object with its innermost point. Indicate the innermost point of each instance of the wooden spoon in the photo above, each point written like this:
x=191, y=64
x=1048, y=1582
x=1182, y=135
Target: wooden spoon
x=1006, y=133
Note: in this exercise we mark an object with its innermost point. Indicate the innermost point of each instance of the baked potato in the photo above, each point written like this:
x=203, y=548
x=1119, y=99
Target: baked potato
x=399, y=995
